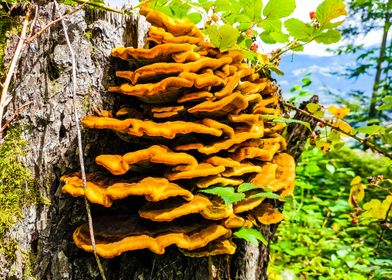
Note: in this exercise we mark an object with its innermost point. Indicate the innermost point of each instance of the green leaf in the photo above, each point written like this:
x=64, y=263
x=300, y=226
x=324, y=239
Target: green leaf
x=299, y=29
x=252, y=8
x=270, y=24
x=372, y=129
x=276, y=69
x=266, y=37
x=313, y=107
x=279, y=8
x=251, y=235
x=387, y=105
x=284, y=120
x=329, y=10
x=306, y=82
x=269, y=195
x=194, y=17
x=330, y=168
x=244, y=187
x=329, y=37
x=279, y=37
x=228, y=194
x=223, y=37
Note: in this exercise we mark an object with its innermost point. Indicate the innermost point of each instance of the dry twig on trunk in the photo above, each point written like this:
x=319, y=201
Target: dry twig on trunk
x=5, y=98
x=80, y=144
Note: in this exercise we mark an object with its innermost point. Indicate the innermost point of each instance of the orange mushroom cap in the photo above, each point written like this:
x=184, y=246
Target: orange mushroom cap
x=232, y=103
x=107, y=248
x=210, y=210
x=266, y=214
x=140, y=128
x=104, y=192
x=118, y=165
x=223, y=247
x=158, y=52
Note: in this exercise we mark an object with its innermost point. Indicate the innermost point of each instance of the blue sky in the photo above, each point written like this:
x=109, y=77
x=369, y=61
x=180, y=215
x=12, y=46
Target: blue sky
x=297, y=66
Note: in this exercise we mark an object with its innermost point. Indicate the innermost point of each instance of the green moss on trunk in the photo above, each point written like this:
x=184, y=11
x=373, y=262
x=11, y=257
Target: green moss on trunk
x=17, y=186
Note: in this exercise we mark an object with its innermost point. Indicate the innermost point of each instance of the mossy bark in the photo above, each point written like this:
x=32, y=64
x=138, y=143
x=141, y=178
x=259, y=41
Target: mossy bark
x=44, y=77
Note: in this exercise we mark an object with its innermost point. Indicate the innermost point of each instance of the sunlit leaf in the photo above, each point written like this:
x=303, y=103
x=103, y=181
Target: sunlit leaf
x=279, y=37
x=270, y=24
x=284, y=120
x=339, y=113
x=330, y=168
x=223, y=37
x=329, y=10
x=343, y=126
x=373, y=210
x=267, y=38
x=279, y=8
x=244, y=187
x=228, y=194
x=357, y=194
x=372, y=129
x=313, y=107
x=251, y=235
x=329, y=37
x=299, y=29
x=355, y=181
x=387, y=103
x=194, y=17
x=269, y=195
x=323, y=146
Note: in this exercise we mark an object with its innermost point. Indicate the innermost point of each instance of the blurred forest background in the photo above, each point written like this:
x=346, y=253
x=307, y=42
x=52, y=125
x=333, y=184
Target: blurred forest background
x=324, y=237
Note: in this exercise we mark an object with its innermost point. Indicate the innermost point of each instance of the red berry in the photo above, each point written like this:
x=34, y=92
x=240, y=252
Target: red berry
x=312, y=15
x=249, y=32
x=354, y=220
x=254, y=47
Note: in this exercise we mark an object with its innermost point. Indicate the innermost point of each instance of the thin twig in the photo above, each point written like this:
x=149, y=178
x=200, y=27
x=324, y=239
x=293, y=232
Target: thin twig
x=32, y=38
x=5, y=99
x=34, y=20
x=359, y=139
x=100, y=5
x=80, y=145
x=16, y=113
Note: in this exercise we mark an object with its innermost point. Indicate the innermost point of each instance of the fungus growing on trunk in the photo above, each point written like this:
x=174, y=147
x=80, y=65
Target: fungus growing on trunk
x=218, y=138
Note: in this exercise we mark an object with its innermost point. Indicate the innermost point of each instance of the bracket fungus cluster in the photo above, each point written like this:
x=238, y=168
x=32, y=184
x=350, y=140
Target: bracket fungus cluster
x=197, y=114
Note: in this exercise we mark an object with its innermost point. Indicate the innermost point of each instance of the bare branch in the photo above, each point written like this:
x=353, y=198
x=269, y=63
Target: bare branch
x=80, y=144
x=16, y=113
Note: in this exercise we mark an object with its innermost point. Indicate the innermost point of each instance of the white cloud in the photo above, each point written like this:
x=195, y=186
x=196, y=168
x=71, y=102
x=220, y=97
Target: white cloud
x=321, y=70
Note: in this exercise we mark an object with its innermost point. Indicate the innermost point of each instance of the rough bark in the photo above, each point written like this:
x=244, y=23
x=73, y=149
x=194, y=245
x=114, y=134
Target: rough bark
x=44, y=76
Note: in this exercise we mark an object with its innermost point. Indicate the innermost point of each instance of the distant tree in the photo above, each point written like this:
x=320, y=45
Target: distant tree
x=366, y=16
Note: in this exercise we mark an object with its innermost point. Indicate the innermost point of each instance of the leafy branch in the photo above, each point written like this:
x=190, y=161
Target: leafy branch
x=363, y=141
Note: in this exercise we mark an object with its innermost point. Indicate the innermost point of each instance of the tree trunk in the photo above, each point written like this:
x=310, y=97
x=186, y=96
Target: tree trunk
x=373, y=113
x=44, y=234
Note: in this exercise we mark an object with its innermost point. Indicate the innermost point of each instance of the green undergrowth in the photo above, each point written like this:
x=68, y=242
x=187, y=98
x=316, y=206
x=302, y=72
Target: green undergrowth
x=17, y=186
x=320, y=238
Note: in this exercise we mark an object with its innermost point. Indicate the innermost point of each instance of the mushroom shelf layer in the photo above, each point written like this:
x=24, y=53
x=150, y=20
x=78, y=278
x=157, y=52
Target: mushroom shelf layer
x=193, y=118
